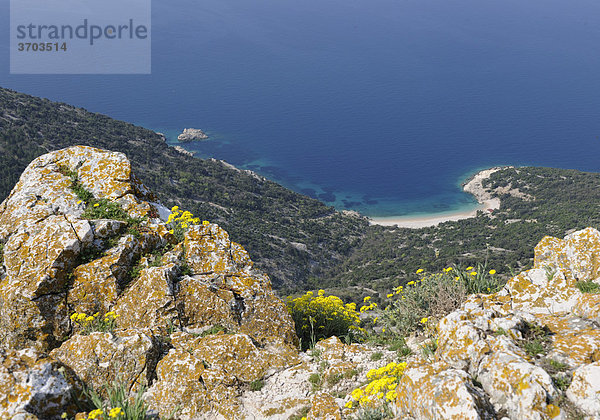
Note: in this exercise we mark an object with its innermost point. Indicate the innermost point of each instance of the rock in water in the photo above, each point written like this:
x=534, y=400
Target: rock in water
x=192, y=134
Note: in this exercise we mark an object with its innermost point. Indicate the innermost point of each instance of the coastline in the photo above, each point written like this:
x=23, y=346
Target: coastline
x=472, y=186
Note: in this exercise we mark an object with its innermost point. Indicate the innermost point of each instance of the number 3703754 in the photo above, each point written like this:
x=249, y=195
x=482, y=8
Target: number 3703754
x=42, y=46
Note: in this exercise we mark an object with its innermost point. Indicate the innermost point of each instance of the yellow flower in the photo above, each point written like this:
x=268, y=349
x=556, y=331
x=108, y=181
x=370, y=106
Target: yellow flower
x=448, y=269
x=63, y=416
x=89, y=319
x=205, y=222
x=383, y=329
x=172, y=232
x=473, y=273
x=95, y=413
x=456, y=278
x=96, y=205
x=389, y=295
x=420, y=270
x=348, y=404
x=367, y=298
x=469, y=268
x=492, y=272
x=321, y=292
x=117, y=411
x=424, y=320
x=410, y=283
x=79, y=202
x=175, y=209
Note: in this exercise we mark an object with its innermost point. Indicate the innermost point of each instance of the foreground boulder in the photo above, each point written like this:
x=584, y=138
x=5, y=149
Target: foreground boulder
x=84, y=250
x=32, y=384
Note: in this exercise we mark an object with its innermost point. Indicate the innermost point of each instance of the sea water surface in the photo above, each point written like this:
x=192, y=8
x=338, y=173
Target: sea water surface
x=381, y=106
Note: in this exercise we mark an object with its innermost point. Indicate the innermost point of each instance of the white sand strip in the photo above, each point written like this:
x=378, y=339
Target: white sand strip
x=474, y=186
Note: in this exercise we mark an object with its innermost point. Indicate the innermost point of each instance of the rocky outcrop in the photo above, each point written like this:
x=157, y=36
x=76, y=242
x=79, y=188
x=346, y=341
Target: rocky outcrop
x=530, y=351
x=85, y=250
x=97, y=288
x=191, y=134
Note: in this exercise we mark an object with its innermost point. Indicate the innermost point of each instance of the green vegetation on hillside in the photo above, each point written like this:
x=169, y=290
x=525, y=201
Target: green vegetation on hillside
x=289, y=235
x=300, y=242
x=535, y=202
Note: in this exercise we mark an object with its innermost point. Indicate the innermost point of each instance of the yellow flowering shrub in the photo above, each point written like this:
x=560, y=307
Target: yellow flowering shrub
x=180, y=221
x=91, y=323
x=319, y=317
x=381, y=387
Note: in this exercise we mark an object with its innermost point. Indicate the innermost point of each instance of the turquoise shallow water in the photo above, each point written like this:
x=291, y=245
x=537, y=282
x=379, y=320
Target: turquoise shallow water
x=382, y=107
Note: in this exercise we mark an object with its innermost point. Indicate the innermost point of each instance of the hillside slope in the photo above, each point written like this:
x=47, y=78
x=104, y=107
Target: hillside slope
x=289, y=235
x=299, y=241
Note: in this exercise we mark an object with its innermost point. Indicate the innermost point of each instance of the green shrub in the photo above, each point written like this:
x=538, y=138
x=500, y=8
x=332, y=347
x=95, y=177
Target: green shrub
x=478, y=279
x=215, y=329
x=257, y=385
x=562, y=382
x=117, y=401
x=104, y=209
x=316, y=381
x=334, y=379
x=558, y=366
x=536, y=339
x=433, y=295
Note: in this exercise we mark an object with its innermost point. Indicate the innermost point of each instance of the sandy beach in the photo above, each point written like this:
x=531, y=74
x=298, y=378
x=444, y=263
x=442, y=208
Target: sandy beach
x=474, y=186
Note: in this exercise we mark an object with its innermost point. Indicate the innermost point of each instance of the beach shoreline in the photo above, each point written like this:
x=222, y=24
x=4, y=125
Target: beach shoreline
x=472, y=186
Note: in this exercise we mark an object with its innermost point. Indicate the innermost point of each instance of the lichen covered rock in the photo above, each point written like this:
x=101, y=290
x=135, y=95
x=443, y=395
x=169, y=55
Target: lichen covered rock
x=584, y=391
x=201, y=330
x=505, y=353
x=35, y=386
x=324, y=407
x=127, y=356
x=82, y=239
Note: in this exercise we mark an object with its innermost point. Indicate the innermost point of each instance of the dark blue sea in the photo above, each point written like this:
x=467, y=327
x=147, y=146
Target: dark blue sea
x=381, y=106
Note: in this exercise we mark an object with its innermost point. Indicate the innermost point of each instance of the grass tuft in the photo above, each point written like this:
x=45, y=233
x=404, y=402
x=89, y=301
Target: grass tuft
x=588, y=287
